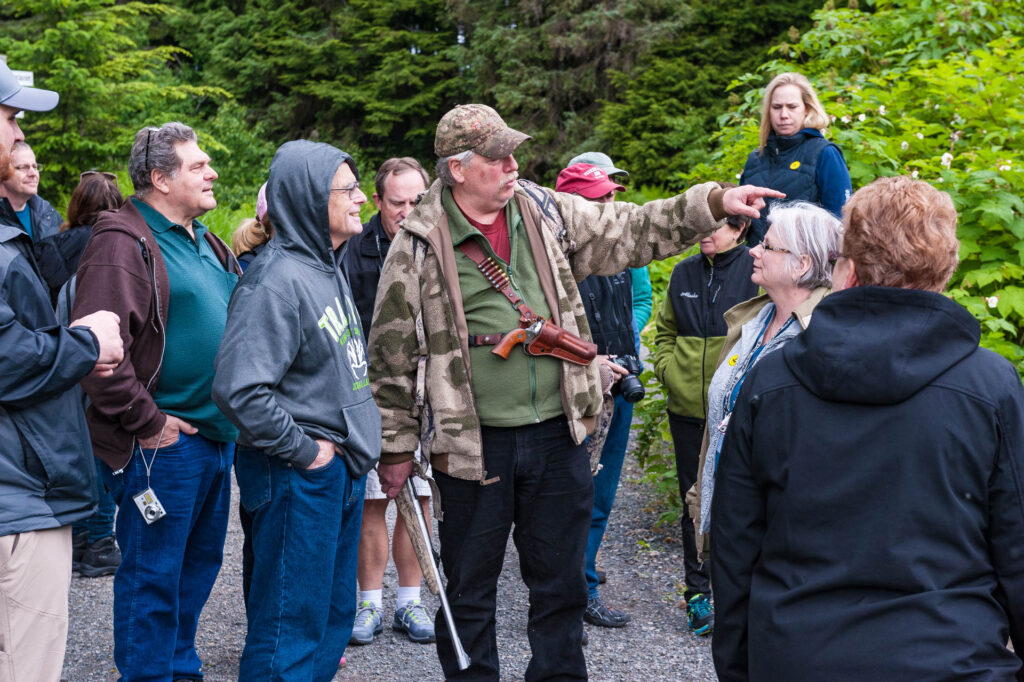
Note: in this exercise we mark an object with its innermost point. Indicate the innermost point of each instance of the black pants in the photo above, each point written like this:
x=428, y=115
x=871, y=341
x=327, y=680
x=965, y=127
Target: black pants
x=687, y=434
x=546, y=492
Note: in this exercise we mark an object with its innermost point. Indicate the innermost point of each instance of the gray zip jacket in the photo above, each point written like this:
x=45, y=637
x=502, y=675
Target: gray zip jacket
x=292, y=363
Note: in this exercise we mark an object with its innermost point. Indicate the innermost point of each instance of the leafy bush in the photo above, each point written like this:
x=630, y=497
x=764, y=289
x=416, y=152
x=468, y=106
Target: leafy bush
x=927, y=88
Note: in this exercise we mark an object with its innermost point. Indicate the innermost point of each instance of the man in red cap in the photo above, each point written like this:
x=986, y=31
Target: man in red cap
x=505, y=432
x=608, y=300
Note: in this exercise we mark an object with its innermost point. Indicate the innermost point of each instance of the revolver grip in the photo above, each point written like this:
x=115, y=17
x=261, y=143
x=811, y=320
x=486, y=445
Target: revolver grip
x=504, y=347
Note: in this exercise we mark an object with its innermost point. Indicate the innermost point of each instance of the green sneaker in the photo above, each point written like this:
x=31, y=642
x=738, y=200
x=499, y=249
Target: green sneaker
x=701, y=614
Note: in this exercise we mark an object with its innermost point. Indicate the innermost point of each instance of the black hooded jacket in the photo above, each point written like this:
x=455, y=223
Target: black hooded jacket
x=869, y=512
x=362, y=258
x=292, y=362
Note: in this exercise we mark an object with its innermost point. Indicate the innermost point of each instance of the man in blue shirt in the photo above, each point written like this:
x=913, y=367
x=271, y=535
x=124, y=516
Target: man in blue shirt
x=21, y=203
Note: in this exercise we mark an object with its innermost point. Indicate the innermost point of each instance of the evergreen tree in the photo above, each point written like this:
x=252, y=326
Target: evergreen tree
x=95, y=53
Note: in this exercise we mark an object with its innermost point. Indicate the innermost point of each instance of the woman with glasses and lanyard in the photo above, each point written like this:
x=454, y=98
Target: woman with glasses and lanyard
x=793, y=265
x=58, y=255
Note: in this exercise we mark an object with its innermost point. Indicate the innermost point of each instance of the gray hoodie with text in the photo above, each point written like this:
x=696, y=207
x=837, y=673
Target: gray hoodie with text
x=292, y=363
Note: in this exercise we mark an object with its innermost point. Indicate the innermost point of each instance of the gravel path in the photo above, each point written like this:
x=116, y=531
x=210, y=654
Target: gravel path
x=644, y=579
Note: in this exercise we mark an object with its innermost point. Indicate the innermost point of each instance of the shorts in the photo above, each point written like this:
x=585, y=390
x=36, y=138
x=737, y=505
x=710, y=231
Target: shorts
x=373, y=491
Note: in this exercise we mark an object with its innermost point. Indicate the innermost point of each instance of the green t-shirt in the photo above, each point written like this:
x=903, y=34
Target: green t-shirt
x=196, y=314
x=523, y=389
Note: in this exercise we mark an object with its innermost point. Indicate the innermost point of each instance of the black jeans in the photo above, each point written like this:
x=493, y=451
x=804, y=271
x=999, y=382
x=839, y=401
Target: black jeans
x=687, y=434
x=546, y=492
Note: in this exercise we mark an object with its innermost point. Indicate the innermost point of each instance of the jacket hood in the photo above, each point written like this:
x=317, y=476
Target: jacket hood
x=298, y=192
x=880, y=345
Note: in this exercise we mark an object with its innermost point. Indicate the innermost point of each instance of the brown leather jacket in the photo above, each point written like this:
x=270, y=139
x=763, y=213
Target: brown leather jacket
x=122, y=271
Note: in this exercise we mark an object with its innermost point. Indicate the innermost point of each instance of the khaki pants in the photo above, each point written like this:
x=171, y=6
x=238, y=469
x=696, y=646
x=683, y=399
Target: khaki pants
x=35, y=576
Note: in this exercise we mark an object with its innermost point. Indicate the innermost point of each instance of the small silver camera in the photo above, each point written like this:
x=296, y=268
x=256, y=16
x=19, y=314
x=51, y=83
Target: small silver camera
x=149, y=506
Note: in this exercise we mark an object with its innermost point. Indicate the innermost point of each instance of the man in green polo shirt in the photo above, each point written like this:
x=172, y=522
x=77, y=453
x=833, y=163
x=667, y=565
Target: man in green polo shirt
x=167, y=447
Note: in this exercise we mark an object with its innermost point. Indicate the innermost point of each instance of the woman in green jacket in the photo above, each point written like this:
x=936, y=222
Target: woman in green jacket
x=690, y=332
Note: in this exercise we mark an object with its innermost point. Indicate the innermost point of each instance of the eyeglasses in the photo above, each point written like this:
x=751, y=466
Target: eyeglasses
x=107, y=174
x=26, y=167
x=776, y=249
x=351, y=189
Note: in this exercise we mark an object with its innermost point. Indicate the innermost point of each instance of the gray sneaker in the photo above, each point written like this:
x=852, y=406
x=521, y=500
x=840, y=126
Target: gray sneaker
x=413, y=620
x=368, y=624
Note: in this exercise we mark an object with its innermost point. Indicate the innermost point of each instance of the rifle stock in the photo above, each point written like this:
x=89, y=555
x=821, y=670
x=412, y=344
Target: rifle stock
x=416, y=524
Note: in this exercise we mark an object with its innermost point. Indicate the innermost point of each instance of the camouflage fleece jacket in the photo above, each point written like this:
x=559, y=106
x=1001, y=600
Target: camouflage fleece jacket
x=419, y=348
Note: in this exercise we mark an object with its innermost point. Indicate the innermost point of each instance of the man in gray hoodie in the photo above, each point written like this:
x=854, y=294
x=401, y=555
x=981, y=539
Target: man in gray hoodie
x=291, y=373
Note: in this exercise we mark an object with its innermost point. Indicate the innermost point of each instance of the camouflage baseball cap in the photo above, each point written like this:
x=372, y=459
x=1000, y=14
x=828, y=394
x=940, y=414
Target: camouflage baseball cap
x=476, y=127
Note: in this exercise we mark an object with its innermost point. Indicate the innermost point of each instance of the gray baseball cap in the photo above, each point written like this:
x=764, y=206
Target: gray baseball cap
x=599, y=159
x=17, y=96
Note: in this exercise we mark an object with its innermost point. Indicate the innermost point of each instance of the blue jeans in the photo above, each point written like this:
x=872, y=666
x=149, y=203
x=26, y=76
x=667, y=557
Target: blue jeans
x=305, y=537
x=168, y=568
x=606, y=483
x=101, y=524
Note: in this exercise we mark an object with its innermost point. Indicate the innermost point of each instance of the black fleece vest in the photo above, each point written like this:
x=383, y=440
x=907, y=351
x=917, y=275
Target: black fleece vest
x=609, y=305
x=788, y=165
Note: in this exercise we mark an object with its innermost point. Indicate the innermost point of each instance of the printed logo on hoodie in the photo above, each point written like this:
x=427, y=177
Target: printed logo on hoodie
x=336, y=323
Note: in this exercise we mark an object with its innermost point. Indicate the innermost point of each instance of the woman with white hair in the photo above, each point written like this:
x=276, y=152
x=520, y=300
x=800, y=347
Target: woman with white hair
x=793, y=156
x=793, y=265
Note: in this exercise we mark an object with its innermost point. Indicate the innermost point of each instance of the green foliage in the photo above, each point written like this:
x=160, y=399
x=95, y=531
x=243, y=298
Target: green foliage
x=545, y=65
x=95, y=53
x=929, y=88
x=658, y=120
x=369, y=77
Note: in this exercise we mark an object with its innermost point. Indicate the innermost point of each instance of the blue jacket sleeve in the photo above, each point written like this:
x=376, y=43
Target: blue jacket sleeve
x=642, y=299
x=833, y=180
x=38, y=363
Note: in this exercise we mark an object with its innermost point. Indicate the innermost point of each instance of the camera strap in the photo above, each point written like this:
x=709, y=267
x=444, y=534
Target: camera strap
x=152, y=460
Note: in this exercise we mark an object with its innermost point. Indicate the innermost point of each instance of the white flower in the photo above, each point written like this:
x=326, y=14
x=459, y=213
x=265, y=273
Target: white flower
x=739, y=175
x=914, y=175
x=947, y=160
x=904, y=145
x=1005, y=167
x=881, y=110
x=942, y=179
x=833, y=118
x=845, y=119
x=862, y=118
x=992, y=301
x=920, y=136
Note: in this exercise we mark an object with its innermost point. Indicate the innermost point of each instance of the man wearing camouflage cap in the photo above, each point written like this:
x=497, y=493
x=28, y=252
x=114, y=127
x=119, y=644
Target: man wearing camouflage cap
x=505, y=436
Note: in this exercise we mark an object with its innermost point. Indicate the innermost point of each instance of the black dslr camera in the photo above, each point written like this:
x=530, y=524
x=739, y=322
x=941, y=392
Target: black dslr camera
x=629, y=386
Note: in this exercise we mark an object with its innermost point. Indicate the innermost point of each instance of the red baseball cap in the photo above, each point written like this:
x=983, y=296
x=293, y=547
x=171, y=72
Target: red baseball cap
x=587, y=180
